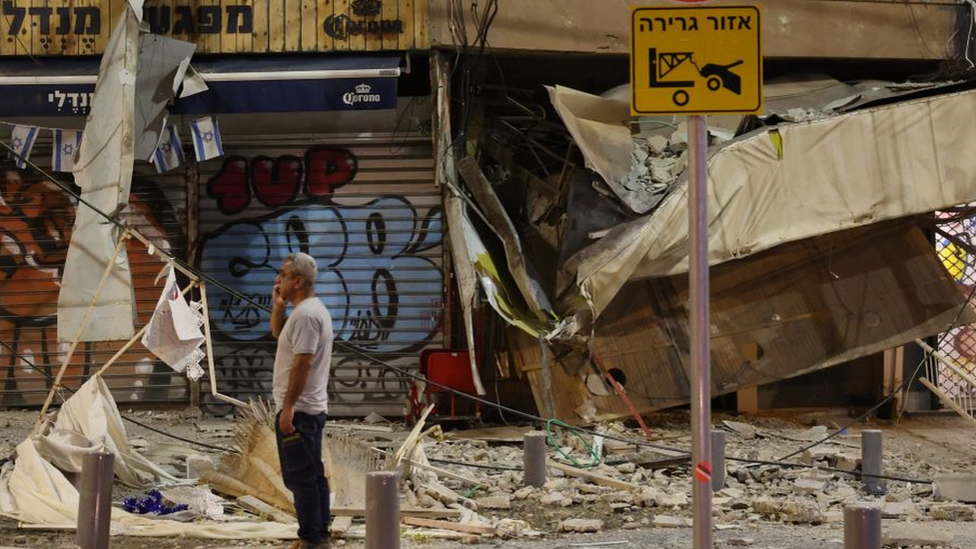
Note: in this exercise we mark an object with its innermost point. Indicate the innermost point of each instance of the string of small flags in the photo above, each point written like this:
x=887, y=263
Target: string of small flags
x=205, y=133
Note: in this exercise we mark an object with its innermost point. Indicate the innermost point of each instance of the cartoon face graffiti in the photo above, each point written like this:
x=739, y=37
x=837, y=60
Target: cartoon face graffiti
x=371, y=276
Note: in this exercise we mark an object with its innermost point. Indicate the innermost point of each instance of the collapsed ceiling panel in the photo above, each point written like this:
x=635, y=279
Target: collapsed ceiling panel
x=781, y=313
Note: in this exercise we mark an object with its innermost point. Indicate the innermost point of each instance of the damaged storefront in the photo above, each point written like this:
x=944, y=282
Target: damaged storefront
x=313, y=126
x=821, y=247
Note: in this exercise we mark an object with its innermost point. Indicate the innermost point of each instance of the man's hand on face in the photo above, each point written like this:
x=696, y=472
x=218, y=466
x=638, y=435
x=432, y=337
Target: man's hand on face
x=285, y=421
x=276, y=298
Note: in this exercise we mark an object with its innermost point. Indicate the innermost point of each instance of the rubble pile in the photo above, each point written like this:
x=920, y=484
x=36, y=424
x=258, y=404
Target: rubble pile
x=634, y=488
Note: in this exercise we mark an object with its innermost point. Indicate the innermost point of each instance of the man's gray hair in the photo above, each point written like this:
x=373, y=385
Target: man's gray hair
x=304, y=266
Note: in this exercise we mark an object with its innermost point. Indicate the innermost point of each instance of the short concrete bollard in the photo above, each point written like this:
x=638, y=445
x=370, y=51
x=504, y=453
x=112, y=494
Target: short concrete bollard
x=872, y=461
x=718, y=460
x=862, y=527
x=534, y=459
x=383, y=510
x=95, y=500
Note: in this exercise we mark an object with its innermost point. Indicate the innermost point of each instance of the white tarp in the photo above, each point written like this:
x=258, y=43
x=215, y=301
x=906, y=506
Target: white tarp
x=34, y=489
x=87, y=422
x=103, y=171
x=791, y=182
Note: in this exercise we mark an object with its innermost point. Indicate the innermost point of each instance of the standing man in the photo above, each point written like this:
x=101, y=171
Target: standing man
x=301, y=375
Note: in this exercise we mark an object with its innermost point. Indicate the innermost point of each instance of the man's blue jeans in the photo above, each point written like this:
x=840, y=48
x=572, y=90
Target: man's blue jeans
x=300, y=454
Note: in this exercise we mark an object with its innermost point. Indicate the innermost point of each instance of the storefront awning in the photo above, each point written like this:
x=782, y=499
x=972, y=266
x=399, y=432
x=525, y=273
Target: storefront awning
x=250, y=84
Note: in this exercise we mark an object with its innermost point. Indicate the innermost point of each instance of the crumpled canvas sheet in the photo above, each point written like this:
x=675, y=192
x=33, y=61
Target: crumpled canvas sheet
x=88, y=422
x=790, y=182
x=35, y=491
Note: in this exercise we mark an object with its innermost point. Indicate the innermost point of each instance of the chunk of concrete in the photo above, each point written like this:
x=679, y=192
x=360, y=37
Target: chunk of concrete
x=798, y=511
x=494, y=502
x=581, y=525
x=556, y=499
x=915, y=534
x=667, y=521
x=952, y=511
x=899, y=509
x=956, y=487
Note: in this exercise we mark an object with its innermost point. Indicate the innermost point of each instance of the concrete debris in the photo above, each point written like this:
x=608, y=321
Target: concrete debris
x=744, y=430
x=667, y=521
x=956, y=487
x=581, y=525
x=795, y=511
x=900, y=509
x=916, y=534
x=952, y=511
x=494, y=502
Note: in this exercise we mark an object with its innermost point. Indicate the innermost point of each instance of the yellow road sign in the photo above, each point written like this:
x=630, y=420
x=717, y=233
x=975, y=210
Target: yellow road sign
x=696, y=60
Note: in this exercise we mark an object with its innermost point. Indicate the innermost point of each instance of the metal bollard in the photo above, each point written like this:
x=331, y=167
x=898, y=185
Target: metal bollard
x=95, y=500
x=872, y=461
x=862, y=527
x=718, y=460
x=383, y=510
x=534, y=459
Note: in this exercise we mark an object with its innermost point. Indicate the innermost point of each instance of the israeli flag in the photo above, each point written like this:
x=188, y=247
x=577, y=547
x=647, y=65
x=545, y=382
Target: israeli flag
x=206, y=138
x=22, y=140
x=66, y=142
x=169, y=152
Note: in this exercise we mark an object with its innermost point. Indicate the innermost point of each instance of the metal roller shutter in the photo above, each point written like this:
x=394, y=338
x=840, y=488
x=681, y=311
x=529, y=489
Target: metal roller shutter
x=365, y=206
x=36, y=218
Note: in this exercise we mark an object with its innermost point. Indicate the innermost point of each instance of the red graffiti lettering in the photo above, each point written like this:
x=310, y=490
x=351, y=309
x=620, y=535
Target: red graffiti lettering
x=329, y=169
x=230, y=187
x=276, y=182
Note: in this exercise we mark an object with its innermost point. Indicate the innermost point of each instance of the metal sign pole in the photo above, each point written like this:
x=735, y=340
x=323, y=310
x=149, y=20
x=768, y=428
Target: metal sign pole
x=701, y=394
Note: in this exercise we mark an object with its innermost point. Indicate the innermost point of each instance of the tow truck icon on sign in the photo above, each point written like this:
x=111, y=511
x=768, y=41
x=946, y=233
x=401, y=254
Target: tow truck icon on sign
x=716, y=76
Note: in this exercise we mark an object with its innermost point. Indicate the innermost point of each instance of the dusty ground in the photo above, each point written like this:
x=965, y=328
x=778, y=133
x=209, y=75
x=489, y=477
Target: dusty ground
x=918, y=447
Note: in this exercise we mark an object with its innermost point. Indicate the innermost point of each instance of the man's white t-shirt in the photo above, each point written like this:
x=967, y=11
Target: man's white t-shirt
x=308, y=330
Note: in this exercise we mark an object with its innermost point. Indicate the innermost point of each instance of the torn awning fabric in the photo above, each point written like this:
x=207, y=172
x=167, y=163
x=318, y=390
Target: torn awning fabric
x=794, y=181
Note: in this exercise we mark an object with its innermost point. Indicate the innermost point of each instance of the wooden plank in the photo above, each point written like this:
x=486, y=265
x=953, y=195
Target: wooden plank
x=66, y=43
x=424, y=513
x=276, y=25
x=340, y=8
x=596, y=478
x=245, y=40
x=340, y=526
x=747, y=400
x=894, y=374
x=259, y=37
x=947, y=400
x=309, y=31
x=293, y=25
x=391, y=12
x=447, y=525
x=35, y=40
x=421, y=26
x=227, y=41
x=261, y=508
x=8, y=42
x=88, y=44
x=211, y=43
x=325, y=42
